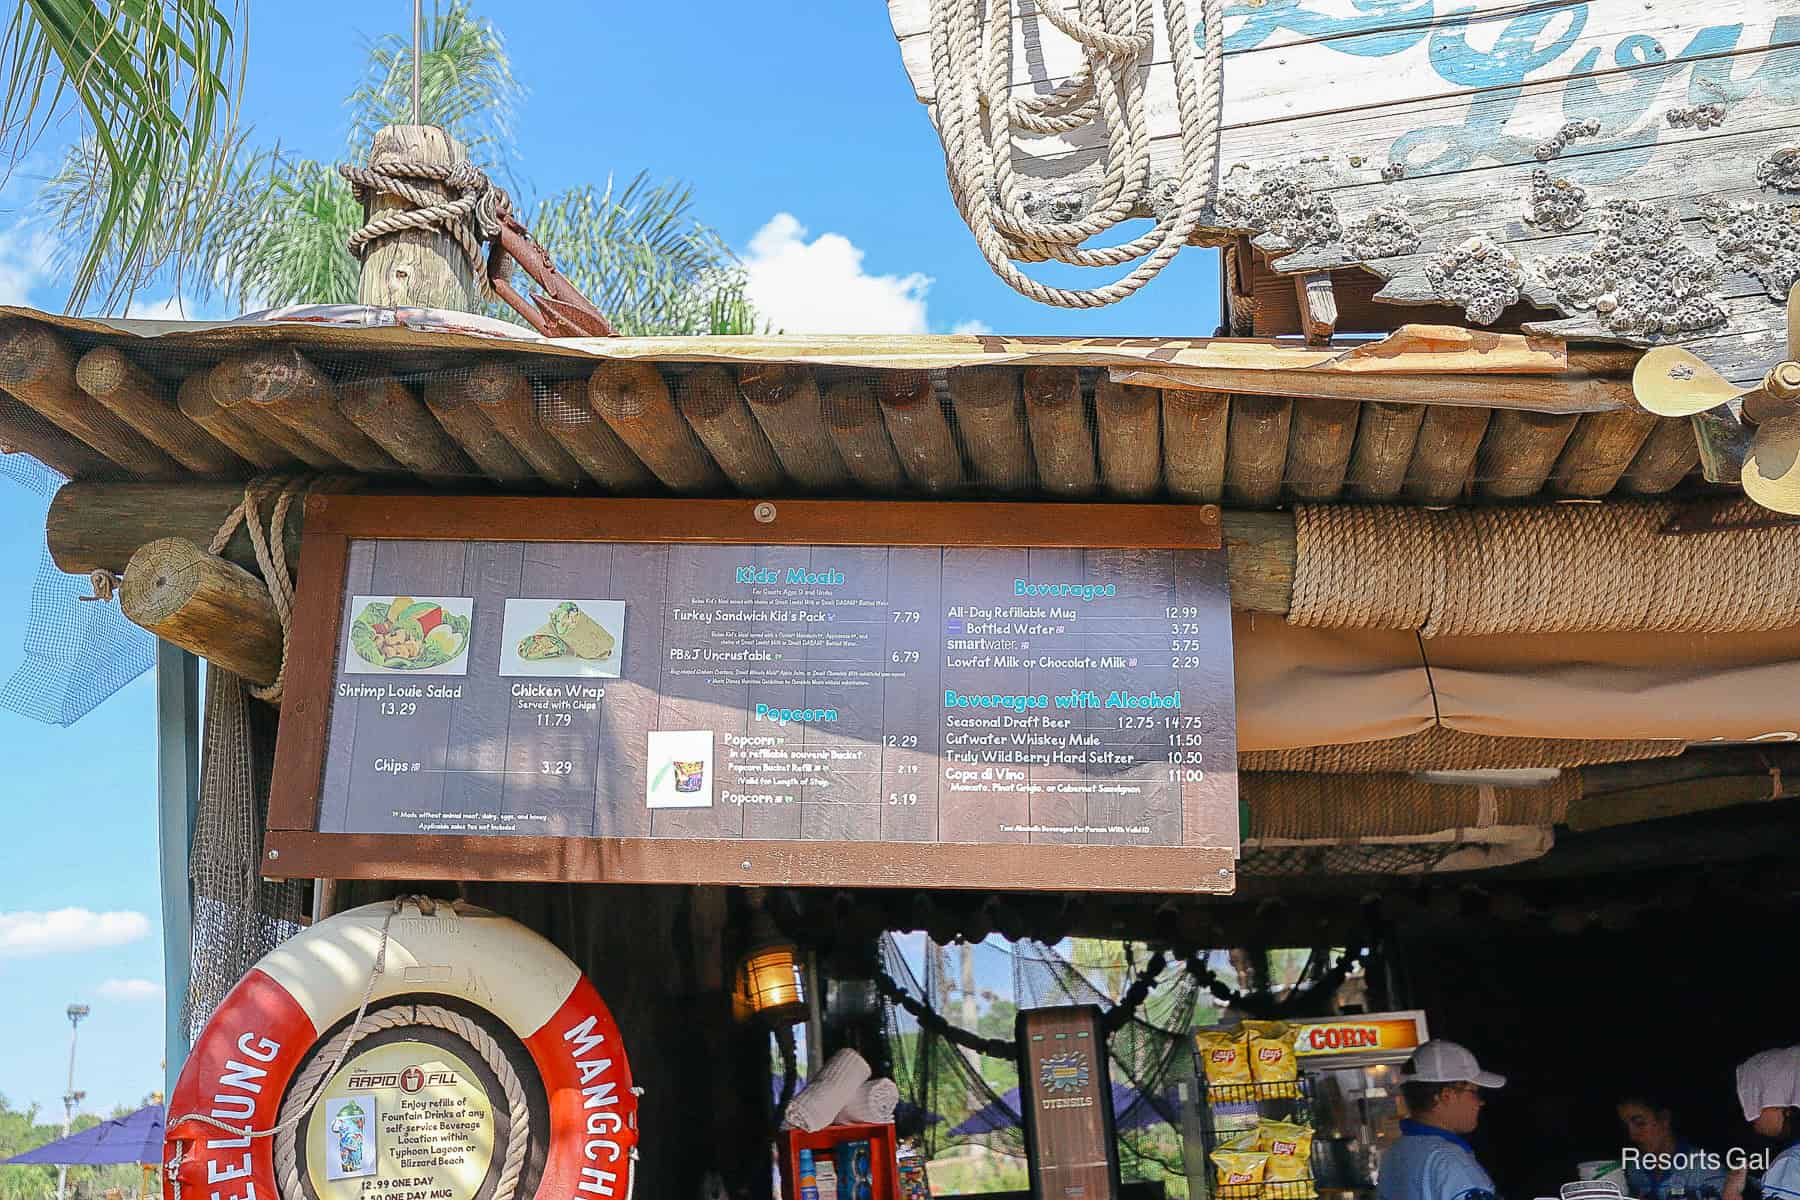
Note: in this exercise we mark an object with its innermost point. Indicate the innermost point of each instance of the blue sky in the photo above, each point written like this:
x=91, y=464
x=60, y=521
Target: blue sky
x=798, y=130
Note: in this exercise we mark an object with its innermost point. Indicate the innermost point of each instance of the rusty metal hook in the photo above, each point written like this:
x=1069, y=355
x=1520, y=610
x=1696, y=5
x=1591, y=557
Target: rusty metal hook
x=560, y=310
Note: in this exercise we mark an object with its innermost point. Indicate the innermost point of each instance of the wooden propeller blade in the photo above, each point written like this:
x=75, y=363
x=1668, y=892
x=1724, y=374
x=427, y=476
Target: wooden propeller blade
x=1793, y=318
x=1670, y=382
x=1771, y=475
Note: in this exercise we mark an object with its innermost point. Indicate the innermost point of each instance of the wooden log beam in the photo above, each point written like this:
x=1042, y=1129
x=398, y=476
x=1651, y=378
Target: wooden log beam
x=569, y=416
x=1444, y=458
x=1572, y=392
x=1257, y=447
x=853, y=419
x=1518, y=452
x=990, y=411
x=452, y=402
x=1667, y=456
x=134, y=396
x=785, y=402
x=1129, y=421
x=927, y=448
x=1194, y=437
x=1385, y=437
x=392, y=417
x=1320, y=441
x=98, y=526
x=37, y=366
x=283, y=383
x=504, y=393
x=634, y=400
x=1062, y=440
x=24, y=430
x=203, y=604
x=709, y=398
x=1599, y=451
x=195, y=400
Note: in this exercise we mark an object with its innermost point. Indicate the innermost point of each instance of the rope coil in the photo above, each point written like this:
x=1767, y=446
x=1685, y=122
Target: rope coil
x=979, y=117
x=471, y=216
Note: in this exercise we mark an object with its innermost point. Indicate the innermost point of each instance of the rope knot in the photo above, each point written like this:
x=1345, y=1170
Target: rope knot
x=473, y=214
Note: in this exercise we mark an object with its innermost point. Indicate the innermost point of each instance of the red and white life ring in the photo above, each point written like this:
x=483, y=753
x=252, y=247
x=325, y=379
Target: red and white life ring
x=241, y=1068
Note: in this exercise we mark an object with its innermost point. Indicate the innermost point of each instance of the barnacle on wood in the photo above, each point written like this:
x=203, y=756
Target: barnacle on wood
x=1761, y=239
x=1555, y=203
x=1385, y=232
x=1482, y=277
x=1280, y=202
x=1639, y=277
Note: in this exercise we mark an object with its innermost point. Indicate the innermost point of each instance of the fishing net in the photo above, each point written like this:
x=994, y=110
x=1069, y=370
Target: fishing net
x=238, y=915
x=76, y=654
x=972, y=1099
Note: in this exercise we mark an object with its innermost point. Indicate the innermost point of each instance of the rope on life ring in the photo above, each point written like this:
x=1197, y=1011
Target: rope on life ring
x=310, y=1084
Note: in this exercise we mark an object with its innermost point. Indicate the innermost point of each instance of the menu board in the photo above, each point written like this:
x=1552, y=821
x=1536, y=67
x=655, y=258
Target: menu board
x=800, y=693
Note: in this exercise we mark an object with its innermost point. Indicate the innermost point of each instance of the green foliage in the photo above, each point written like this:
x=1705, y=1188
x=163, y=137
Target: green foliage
x=276, y=230
x=20, y=1130
x=155, y=84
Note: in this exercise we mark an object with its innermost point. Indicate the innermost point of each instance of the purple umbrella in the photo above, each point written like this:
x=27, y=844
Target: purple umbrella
x=995, y=1114
x=134, y=1138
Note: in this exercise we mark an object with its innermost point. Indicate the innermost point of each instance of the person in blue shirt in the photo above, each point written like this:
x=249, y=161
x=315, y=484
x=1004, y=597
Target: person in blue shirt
x=1768, y=1087
x=1442, y=1086
x=1665, y=1165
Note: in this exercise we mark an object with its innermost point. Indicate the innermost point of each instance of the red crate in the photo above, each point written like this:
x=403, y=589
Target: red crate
x=884, y=1178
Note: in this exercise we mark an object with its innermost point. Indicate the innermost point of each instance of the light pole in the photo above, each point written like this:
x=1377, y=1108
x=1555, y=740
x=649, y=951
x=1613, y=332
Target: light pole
x=71, y=1097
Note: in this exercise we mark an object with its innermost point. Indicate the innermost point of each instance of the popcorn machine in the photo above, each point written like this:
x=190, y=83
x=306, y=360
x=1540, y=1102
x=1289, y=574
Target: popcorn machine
x=1338, y=1098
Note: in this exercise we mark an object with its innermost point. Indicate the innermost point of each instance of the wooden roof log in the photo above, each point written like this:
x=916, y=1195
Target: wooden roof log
x=1128, y=420
x=284, y=383
x=853, y=420
x=568, y=414
x=295, y=446
x=391, y=416
x=1194, y=440
x=785, y=401
x=709, y=398
x=1062, y=437
x=1599, y=451
x=1444, y=456
x=24, y=430
x=1519, y=451
x=38, y=367
x=505, y=396
x=990, y=412
x=1385, y=437
x=195, y=400
x=1256, y=449
x=1320, y=441
x=1667, y=457
x=634, y=400
x=921, y=431
x=451, y=400
x=142, y=401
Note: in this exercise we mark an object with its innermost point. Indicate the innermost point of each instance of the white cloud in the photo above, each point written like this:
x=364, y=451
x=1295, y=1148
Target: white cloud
x=170, y=309
x=972, y=328
x=67, y=930
x=797, y=286
x=130, y=990
x=27, y=257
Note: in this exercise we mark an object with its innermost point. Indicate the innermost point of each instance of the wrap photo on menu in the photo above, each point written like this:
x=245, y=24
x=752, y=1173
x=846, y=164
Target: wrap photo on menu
x=563, y=637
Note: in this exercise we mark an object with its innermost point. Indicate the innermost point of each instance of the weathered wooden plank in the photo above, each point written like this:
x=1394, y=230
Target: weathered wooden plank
x=1444, y=456
x=1318, y=306
x=1519, y=451
x=1062, y=439
x=1599, y=451
x=1385, y=436
x=1129, y=421
x=1257, y=449
x=1320, y=441
x=909, y=405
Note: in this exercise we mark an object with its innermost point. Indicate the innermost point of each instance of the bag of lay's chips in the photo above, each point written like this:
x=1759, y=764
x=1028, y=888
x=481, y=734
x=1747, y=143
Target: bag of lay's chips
x=1270, y=1049
x=1289, y=1148
x=1222, y=1056
x=1240, y=1167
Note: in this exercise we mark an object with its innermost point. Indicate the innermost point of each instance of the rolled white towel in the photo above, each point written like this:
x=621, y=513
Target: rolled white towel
x=827, y=1092
x=873, y=1104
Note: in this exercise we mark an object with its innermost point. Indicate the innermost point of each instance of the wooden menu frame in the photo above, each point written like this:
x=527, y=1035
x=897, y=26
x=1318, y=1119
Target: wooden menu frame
x=294, y=848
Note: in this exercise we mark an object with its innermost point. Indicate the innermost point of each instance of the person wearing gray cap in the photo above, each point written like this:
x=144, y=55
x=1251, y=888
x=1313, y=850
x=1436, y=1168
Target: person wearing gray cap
x=1442, y=1085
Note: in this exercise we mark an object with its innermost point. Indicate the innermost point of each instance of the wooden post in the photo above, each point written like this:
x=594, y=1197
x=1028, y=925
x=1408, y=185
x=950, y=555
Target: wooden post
x=135, y=397
x=422, y=268
x=708, y=397
x=1319, y=445
x=785, y=401
x=1194, y=439
x=927, y=448
x=1385, y=436
x=590, y=441
x=38, y=367
x=991, y=415
x=854, y=421
x=1129, y=424
x=1257, y=452
x=1444, y=458
x=634, y=400
x=1061, y=439
x=204, y=604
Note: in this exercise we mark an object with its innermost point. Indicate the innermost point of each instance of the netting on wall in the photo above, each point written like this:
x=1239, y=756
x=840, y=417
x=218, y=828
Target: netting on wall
x=76, y=654
x=973, y=1098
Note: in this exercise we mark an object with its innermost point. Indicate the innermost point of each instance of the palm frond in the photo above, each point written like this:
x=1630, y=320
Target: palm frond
x=155, y=84
x=466, y=85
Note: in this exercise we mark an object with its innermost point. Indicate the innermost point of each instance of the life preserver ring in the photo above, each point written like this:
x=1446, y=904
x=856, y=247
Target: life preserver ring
x=226, y=1106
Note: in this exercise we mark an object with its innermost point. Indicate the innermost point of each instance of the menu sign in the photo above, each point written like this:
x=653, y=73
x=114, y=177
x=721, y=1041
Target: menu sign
x=788, y=692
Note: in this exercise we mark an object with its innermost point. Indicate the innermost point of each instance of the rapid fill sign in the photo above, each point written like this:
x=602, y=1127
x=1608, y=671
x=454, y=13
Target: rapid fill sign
x=1381, y=1034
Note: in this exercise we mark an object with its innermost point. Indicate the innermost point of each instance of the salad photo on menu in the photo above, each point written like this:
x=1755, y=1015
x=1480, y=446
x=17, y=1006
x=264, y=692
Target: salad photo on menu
x=401, y=633
x=563, y=637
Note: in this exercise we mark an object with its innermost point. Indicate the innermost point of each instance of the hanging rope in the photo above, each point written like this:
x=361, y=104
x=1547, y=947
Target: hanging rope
x=471, y=217
x=979, y=116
